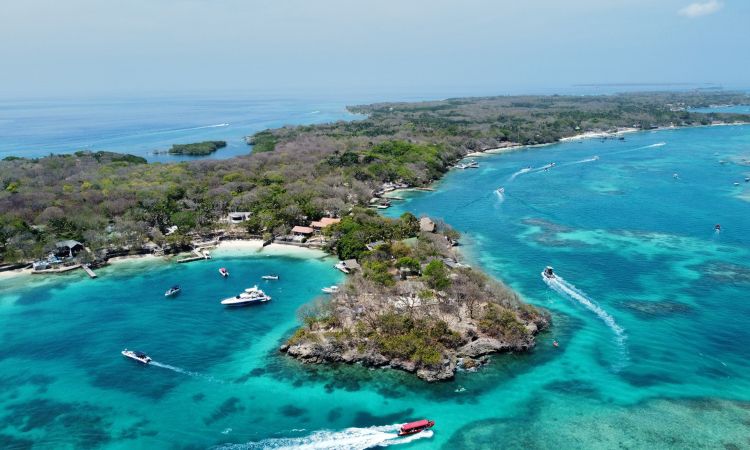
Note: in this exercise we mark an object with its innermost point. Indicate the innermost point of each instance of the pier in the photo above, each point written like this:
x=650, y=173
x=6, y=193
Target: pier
x=88, y=270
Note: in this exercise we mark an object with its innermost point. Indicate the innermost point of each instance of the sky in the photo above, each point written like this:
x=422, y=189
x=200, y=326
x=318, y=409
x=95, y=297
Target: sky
x=100, y=47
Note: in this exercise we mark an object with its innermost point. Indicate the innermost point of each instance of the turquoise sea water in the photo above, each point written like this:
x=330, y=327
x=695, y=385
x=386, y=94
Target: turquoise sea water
x=652, y=321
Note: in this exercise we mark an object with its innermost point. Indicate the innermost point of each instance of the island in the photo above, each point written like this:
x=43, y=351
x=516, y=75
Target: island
x=412, y=304
x=197, y=149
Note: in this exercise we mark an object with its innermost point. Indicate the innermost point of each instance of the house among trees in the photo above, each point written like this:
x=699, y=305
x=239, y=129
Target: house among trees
x=426, y=225
x=68, y=248
x=301, y=233
x=318, y=225
x=238, y=216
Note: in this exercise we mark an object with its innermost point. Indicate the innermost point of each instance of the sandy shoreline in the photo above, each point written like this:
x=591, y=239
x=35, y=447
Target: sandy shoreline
x=255, y=246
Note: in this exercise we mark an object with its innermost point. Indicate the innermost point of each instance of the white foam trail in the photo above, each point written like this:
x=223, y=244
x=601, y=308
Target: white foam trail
x=658, y=144
x=520, y=172
x=348, y=439
x=184, y=372
x=564, y=288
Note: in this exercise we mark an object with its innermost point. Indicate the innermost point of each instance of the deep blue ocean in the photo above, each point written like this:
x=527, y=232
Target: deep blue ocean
x=651, y=311
x=148, y=127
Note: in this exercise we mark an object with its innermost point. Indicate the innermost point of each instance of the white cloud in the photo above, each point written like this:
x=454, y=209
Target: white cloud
x=701, y=9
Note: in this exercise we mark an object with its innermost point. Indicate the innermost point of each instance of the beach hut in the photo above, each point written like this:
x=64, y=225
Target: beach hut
x=68, y=248
x=301, y=233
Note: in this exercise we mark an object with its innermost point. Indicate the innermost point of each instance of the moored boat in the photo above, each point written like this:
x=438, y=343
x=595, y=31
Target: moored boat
x=330, y=289
x=251, y=296
x=415, y=427
x=270, y=277
x=136, y=356
x=224, y=272
x=174, y=290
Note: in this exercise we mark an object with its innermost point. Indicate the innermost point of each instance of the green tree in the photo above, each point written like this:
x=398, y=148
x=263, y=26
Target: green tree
x=436, y=275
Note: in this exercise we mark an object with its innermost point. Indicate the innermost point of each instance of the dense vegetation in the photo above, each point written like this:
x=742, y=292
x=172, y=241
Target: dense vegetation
x=197, y=149
x=297, y=174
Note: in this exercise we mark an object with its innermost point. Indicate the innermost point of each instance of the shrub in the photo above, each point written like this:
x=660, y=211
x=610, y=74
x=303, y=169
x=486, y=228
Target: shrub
x=436, y=275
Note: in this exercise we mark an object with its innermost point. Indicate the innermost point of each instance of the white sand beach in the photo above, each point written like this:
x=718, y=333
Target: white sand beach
x=255, y=247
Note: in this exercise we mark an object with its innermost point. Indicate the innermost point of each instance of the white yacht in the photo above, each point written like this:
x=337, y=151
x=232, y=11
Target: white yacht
x=174, y=290
x=136, y=355
x=251, y=296
x=270, y=277
x=330, y=289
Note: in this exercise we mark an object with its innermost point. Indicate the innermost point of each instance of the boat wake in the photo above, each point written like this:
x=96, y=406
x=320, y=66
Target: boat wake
x=185, y=372
x=592, y=159
x=562, y=287
x=520, y=172
x=657, y=145
x=348, y=439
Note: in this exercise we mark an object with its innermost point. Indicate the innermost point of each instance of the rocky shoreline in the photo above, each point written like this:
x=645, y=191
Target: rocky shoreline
x=471, y=355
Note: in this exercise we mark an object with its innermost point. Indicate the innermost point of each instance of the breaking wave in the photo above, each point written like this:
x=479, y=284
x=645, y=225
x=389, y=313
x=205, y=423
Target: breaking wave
x=348, y=439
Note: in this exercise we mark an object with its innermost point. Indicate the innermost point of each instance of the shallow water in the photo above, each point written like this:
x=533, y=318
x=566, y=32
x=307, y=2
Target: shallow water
x=652, y=320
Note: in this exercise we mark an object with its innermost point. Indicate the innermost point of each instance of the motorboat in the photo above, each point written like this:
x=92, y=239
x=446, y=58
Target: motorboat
x=270, y=277
x=224, y=272
x=174, y=290
x=330, y=289
x=415, y=427
x=137, y=356
x=548, y=273
x=500, y=191
x=251, y=296
x=342, y=267
x=717, y=227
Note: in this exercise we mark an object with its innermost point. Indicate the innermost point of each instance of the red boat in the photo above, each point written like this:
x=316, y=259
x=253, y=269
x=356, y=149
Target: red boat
x=415, y=427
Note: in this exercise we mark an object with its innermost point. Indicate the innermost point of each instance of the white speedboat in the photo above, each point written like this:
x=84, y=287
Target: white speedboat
x=136, y=355
x=224, y=272
x=174, y=290
x=548, y=273
x=251, y=296
x=270, y=277
x=500, y=191
x=330, y=289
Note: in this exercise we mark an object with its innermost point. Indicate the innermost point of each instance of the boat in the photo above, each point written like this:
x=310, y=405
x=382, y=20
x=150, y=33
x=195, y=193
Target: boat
x=736, y=183
x=137, y=356
x=330, y=289
x=548, y=273
x=224, y=272
x=500, y=190
x=415, y=427
x=270, y=277
x=717, y=227
x=342, y=267
x=174, y=290
x=251, y=296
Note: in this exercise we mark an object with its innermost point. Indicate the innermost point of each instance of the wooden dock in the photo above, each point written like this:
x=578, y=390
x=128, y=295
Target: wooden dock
x=88, y=270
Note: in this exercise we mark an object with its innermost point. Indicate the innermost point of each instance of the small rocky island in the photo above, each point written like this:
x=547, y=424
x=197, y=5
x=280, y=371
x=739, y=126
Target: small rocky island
x=197, y=149
x=411, y=305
